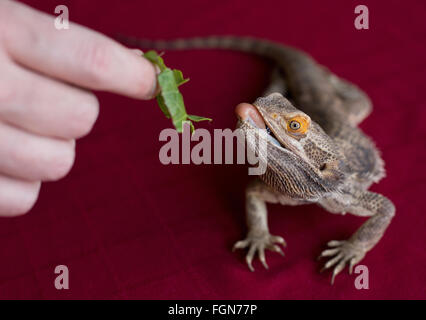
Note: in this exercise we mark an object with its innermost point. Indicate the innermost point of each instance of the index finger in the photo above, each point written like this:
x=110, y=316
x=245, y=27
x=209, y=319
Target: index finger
x=76, y=55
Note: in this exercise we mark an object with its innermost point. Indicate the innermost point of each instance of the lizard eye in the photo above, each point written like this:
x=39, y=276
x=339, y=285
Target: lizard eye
x=294, y=125
x=298, y=125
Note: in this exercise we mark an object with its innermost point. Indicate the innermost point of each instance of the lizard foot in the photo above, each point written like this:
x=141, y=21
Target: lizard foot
x=259, y=244
x=341, y=253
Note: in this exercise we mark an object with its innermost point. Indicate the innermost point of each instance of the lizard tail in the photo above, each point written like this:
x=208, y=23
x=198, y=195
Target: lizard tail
x=264, y=48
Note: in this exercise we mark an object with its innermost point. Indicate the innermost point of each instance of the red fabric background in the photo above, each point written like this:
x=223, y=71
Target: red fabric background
x=129, y=227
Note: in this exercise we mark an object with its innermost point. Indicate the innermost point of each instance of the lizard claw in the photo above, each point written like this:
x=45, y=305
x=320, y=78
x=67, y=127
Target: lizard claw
x=341, y=253
x=258, y=244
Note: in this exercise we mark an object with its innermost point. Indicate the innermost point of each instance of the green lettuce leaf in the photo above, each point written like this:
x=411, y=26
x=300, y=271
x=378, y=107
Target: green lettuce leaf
x=170, y=100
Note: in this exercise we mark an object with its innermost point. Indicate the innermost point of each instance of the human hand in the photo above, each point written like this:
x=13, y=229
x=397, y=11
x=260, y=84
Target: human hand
x=44, y=102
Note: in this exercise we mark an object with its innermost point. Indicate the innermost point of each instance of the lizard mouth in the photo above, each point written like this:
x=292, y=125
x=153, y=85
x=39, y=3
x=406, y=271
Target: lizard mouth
x=273, y=138
x=251, y=115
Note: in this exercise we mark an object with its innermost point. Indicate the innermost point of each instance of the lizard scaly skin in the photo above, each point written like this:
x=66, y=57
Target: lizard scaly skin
x=315, y=152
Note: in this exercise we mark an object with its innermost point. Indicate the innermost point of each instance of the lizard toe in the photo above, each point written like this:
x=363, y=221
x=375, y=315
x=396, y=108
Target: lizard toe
x=257, y=245
x=342, y=253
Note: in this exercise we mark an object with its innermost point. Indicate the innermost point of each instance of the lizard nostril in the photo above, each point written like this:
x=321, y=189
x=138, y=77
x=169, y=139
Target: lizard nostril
x=323, y=166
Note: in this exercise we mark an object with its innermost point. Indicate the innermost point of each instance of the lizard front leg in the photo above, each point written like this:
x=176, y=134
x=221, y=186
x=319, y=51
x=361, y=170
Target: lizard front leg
x=258, y=238
x=353, y=250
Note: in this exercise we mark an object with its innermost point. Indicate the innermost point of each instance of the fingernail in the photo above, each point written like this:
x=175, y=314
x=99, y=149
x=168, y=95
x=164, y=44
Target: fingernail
x=139, y=52
x=156, y=87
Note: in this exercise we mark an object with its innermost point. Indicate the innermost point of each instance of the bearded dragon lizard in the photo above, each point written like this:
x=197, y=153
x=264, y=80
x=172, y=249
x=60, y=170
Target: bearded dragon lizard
x=315, y=151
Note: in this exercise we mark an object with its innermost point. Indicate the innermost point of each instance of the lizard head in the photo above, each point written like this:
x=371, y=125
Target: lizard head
x=293, y=138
